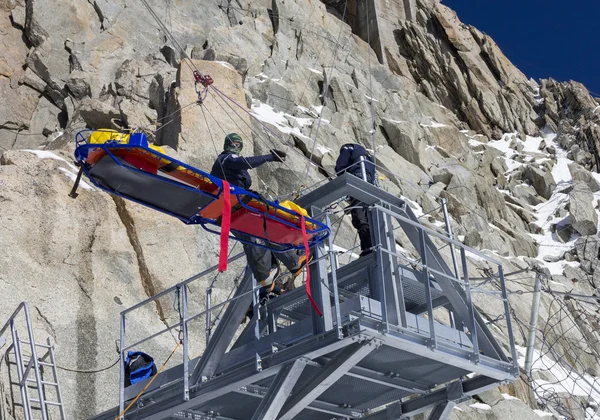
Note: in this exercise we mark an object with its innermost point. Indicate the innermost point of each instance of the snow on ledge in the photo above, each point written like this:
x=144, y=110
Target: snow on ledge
x=480, y=406
x=433, y=124
x=226, y=64
x=44, y=154
x=510, y=397
x=267, y=114
x=73, y=177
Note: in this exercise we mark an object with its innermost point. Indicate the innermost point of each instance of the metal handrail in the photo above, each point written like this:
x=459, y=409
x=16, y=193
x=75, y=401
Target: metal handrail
x=180, y=285
x=436, y=234
x=13, y=316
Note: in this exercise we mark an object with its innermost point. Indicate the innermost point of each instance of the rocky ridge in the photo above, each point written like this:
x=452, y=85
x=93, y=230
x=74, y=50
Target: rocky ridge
x=517, y=160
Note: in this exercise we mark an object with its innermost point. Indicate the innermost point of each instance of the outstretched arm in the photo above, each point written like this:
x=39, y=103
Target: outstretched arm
x=240, y=162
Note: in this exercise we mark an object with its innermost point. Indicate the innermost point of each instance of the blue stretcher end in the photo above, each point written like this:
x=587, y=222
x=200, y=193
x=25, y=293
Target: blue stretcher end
x=125, y=165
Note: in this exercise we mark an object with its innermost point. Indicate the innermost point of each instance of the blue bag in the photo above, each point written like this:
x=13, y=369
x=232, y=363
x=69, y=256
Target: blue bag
x=138, y=366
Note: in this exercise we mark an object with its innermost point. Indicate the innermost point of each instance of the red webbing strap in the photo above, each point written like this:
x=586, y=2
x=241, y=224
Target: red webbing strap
x=225, y=225
x=307, y=254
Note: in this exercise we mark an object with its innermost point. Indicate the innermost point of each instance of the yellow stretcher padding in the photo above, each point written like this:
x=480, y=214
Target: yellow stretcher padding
x=106, y=134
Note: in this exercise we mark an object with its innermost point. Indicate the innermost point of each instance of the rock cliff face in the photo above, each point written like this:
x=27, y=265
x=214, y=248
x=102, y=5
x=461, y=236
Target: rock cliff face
x=442, y=109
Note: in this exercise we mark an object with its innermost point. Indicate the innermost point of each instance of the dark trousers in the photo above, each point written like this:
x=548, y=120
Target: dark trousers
x=360, y=221
x=260, y=260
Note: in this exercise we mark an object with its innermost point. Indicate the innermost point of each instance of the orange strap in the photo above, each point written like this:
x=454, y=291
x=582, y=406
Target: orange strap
x=307, y=253
x=225, y=225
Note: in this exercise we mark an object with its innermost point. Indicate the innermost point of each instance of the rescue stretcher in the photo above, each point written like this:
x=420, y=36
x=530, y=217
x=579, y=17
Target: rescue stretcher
x=124, y=164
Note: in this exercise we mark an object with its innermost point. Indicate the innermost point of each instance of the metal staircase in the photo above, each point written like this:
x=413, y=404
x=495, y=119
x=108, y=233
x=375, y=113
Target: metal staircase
x=36, y=376
x=381, y=350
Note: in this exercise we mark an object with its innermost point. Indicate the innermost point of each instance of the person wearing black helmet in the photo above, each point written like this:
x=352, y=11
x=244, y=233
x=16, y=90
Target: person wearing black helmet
x=233, y=168
x=349, y=161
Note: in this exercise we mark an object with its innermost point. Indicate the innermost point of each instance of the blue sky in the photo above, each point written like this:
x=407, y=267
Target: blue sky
x=543, y=38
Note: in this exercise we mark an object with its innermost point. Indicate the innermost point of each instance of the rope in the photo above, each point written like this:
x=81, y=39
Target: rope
x=213, y=143
x=371, y=85
x=225, y=99
x=325, y=91
x=89, y=371
x=266, y=186
x=170, y=36
x=149, y=382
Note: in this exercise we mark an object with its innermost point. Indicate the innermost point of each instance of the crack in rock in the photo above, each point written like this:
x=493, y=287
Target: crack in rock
x=145, y=276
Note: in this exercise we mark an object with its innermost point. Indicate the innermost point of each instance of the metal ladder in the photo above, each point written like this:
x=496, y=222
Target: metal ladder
x=40, y=389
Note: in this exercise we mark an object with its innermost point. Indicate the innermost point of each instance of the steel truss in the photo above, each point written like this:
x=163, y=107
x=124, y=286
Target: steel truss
x=379, y=351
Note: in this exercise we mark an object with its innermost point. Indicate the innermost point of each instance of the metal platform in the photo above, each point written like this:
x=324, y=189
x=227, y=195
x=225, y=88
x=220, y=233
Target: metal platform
x=380, y=351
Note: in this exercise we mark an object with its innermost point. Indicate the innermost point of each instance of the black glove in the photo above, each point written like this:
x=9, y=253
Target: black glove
x=278, y=155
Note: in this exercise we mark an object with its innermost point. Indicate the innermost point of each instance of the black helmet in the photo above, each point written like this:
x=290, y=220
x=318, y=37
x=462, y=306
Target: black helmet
x=233, y=143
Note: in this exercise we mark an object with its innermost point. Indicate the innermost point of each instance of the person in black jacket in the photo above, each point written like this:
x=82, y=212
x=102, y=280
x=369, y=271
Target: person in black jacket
x=233, y=168
x=349, y=161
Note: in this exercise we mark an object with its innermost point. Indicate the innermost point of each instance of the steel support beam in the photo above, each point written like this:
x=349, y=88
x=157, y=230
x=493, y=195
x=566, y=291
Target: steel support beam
x=470, y=387
x=225, y=331
x=320, y=406
x=193, y=414
x=381, y=379
x=391, y=412
x=327, y=376
x=454, y=395
x=397, y=278
x=167, y=400
x=280, y=388
x=319, y=288
x=442, y=411
x=426, y=402
x=447, y=354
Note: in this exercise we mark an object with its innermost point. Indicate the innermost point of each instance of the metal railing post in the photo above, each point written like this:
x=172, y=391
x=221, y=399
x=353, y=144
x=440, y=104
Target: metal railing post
x=452, y=252
x=184, y=338
x=256, y=307
x=122, y=367
x=18, y=354
x=376, y=225
x=511, y=336
x=56, y=380
x=451, y=236
x=533, y=323
x=334, y=285
x=432, y=338
x=209, y=313
x=397, y=287
x=471, y=307
x=36, y=365
x=363, y=169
